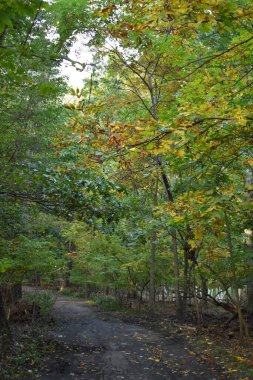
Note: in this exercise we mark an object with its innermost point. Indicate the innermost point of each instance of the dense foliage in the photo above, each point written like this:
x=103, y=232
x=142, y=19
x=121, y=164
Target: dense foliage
x=142, y=183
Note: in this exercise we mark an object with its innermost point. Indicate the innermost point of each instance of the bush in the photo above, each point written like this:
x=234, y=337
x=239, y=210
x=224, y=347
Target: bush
x=107, y=303
x=44, y=299
x=71, y=293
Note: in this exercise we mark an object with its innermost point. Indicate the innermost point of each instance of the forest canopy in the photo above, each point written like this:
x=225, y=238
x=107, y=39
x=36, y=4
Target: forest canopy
x=140, y=181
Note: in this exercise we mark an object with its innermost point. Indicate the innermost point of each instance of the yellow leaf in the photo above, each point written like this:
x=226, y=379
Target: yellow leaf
x=198, y=232
x=240, y=359
x=192, y=243
x=179, y=219
x=250, y=161
x=180, y=153
x=202, y=17
x=158, y=150
x=229, y=190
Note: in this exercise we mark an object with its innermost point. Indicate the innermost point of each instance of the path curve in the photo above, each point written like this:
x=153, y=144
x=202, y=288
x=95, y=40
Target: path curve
x=90, y=345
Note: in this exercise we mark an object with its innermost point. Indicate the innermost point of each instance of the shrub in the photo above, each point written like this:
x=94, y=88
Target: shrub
x=71, y=293
x=107, y=303
x=44, y=299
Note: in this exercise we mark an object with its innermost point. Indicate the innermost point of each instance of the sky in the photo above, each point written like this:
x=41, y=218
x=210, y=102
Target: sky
x=78, y=52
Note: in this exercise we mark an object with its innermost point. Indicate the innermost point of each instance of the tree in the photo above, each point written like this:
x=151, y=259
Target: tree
x=181, y=57
x=30, y=92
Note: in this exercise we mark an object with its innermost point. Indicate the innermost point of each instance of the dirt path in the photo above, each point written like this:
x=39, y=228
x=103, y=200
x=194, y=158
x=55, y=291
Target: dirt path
x=91, y=345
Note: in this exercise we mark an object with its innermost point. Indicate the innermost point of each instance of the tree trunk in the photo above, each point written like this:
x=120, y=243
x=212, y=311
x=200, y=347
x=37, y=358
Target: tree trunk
x=67, y=283
x=197, y=309
x=152, y=273
x=186, y=280
x=11, y=293
x=169, y=195
x=250, y=298
x=242, y=324
x=16, y=292
x=154, y=93
x=3, y=319
x=5, y=333
x=204, y=290
x=249, y=236
x=153, y=254
x=179, y=305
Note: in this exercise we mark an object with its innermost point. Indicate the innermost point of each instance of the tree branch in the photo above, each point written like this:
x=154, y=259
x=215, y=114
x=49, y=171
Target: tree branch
x=29, y=198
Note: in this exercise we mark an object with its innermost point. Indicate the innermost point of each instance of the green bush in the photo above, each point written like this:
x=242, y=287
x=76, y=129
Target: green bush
x=71, y=293
x=44, y=299
x=107, y=303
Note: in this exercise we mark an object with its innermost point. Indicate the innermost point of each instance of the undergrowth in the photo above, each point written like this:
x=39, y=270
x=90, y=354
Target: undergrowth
x=107, y=303
x=72, y=293
x=27, y=352
x=45, y=300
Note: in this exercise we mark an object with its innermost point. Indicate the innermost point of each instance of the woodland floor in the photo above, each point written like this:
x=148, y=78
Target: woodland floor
x=84, y=343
